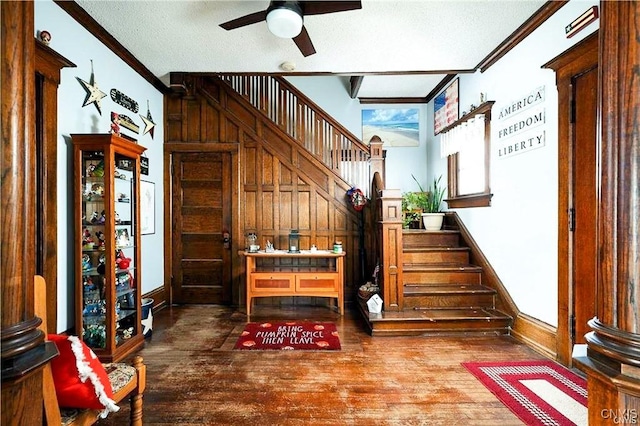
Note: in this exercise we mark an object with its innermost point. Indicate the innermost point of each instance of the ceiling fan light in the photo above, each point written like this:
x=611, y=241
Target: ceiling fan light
x=285, y=23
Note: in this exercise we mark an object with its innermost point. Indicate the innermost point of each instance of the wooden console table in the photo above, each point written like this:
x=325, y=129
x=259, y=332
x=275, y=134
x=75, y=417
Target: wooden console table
x=309, y=273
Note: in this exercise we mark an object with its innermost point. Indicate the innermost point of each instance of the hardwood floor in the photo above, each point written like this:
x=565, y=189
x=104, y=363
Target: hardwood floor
x=194, y=377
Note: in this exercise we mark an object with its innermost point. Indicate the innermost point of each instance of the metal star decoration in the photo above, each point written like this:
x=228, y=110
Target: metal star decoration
x=94, y=95
x=147, y=323
x=148, y=122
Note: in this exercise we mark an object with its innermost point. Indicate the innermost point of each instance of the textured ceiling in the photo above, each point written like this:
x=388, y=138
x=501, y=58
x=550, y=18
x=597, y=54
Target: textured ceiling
x=384, y=36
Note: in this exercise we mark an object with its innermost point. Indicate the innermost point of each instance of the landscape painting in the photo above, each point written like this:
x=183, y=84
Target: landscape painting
x=395, y=126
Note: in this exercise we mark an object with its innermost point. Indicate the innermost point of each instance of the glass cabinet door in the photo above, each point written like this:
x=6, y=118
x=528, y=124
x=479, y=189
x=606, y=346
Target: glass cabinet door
x=125, y=249
x=108, y=261
x=94, y=297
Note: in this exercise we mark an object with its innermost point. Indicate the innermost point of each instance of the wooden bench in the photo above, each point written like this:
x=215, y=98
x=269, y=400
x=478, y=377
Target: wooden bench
x=127, y=381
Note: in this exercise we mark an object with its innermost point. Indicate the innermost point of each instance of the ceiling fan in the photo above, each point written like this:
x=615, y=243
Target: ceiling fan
x=285, y=19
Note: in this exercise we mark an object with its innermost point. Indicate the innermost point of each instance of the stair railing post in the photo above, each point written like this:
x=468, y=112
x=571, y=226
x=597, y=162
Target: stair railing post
x=390, y=229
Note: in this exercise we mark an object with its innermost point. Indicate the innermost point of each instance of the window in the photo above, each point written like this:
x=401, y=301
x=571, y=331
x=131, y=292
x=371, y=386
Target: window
x=466, y=143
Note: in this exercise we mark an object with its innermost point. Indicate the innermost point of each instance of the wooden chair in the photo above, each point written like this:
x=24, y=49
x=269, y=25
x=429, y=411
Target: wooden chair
x=126, y=380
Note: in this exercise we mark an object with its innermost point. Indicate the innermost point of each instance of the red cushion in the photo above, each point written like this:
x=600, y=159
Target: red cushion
x=79, y=377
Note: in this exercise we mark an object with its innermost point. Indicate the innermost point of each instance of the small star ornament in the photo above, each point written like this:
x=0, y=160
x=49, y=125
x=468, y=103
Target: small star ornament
x=148, y=122
x=94, y=95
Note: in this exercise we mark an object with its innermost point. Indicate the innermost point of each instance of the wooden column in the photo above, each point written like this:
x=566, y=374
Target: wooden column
x=613, y=352
x=23, y=350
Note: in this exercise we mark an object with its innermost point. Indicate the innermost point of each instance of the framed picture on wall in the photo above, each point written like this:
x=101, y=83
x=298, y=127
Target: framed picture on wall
x=395, y=126
x=446, y=107
x=147, y=207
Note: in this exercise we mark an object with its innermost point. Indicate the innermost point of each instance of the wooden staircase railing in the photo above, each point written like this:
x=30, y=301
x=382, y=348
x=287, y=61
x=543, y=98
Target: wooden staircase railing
x=303, y=120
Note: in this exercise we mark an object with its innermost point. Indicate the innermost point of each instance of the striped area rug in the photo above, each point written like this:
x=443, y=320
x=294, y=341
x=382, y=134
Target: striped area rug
x=538, y=392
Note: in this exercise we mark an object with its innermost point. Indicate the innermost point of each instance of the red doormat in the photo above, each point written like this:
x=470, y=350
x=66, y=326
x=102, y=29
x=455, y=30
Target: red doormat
x=290, y=335
x=538, y=392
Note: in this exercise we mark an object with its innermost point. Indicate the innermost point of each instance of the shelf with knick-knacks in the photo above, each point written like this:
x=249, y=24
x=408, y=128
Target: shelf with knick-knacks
x=107, y=247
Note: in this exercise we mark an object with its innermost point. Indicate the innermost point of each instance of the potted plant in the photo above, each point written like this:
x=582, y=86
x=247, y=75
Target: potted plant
x=412, y=207
x=432, y=216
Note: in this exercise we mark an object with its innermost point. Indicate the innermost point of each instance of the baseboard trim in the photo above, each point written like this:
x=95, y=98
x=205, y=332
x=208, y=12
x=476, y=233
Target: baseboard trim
x=538, y=335
x=159, y=297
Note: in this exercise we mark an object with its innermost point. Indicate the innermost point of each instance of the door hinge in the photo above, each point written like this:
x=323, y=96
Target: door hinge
x=572, y=219
x=572, y=325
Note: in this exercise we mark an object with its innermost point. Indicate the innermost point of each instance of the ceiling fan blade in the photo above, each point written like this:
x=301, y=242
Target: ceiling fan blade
x=303, y=41
x=321, y=7
x=252, y=18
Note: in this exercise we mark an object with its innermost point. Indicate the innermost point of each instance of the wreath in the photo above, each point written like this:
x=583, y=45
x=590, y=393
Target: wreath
x=357, y=198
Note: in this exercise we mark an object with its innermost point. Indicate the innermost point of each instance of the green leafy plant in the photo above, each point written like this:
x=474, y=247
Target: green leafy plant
x=412, y=204
x=435, y=196
x=411, y=218
x=432, y=199
x=412, y=201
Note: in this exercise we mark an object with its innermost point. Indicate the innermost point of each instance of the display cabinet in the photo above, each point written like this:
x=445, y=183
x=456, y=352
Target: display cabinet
x=107, y=244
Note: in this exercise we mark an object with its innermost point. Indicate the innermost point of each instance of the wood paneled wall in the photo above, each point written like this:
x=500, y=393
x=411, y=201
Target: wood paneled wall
x=280, y=186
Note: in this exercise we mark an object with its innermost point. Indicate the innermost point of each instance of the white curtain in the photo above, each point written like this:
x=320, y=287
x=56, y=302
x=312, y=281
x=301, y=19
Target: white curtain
x=464, y=134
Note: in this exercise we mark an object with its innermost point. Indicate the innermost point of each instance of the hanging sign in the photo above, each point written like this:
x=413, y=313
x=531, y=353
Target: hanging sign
x=521, y=124
x=144, y=165
x=127, y=123
x=123, y=100
x=581, y=21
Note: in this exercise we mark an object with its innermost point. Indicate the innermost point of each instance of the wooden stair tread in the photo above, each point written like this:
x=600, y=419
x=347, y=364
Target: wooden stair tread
x=467, y=314
x=421, y=289
x=461, y=314
x=419, y=249
x=437, y=322
x=440, y=267
x=424, y=231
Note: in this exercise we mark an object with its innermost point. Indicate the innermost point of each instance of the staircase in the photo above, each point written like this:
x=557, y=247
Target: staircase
x=443, y=293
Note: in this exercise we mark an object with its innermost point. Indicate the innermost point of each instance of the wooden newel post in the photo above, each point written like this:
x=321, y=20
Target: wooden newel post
x=613, y=354
x=390, y=228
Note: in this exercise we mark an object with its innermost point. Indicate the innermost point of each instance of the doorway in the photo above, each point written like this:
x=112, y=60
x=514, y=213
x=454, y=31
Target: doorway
x=201, y=227
x=577, y=83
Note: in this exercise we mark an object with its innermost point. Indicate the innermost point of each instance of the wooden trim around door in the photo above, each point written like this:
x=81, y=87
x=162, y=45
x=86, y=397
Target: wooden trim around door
x=580, y=58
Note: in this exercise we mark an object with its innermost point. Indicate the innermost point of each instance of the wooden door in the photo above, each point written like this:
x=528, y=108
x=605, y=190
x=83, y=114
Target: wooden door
x=585, y=201
x=201, y=200
x=576, y=81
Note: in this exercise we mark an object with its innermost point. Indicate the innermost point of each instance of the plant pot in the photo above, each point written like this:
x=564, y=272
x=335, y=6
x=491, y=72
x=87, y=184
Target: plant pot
x=432, y=221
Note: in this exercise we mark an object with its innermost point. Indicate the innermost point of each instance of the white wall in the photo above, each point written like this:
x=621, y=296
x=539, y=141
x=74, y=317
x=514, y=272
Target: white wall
x=518, y=233
x=78, y=45
x=331, y=93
